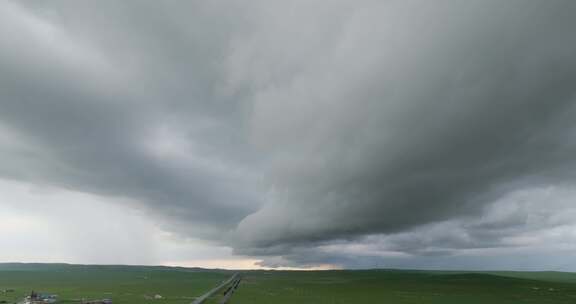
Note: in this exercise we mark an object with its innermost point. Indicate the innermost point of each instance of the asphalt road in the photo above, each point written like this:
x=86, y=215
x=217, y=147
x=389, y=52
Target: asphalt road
x=205, y=296
x=231, y=290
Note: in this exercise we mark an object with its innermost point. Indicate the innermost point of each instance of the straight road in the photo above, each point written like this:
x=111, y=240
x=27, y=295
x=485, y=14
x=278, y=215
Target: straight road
x=205, y=296
x=231, y=290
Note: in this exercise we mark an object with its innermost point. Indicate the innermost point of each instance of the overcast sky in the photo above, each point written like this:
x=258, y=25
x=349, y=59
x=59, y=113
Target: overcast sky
x=305, y=134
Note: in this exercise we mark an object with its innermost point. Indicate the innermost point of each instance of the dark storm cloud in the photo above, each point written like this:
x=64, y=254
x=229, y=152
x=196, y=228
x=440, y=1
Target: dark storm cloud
x=458, y=105
x=93, y=120
x=519, y=224
x=274, y=126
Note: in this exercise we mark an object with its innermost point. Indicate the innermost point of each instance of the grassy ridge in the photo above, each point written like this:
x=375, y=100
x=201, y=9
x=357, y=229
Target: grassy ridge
x=553, y=276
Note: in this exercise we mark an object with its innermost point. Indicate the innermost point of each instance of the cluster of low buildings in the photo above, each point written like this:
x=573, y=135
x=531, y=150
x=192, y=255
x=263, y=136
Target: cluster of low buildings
x=40, y=298
x=45, y=298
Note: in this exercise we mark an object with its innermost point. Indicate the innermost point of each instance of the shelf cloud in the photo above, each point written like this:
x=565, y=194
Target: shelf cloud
x=304, y=133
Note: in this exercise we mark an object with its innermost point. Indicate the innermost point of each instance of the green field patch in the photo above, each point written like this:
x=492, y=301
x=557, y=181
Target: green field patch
x=391, y=286
x=122, y=285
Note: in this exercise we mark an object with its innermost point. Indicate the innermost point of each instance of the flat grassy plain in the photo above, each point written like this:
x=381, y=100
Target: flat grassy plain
x=392, y=286
x=122, y=284
x=137, y=284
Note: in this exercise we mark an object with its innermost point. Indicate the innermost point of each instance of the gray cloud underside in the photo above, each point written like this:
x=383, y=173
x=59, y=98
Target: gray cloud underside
x=266, y=126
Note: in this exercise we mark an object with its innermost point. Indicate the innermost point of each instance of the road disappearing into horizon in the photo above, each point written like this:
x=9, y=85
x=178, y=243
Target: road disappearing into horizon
x=208, y=294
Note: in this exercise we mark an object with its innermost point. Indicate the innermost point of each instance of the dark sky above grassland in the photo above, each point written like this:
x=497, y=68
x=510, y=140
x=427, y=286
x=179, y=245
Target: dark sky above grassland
x=413, y=133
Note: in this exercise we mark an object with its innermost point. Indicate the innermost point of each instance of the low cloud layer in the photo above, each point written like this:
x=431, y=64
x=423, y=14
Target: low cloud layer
x=351, y=133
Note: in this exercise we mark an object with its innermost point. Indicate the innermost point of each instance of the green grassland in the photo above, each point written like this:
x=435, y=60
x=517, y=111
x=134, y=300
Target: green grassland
x=121, y=283
x=138, y=284
x=390, y=286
